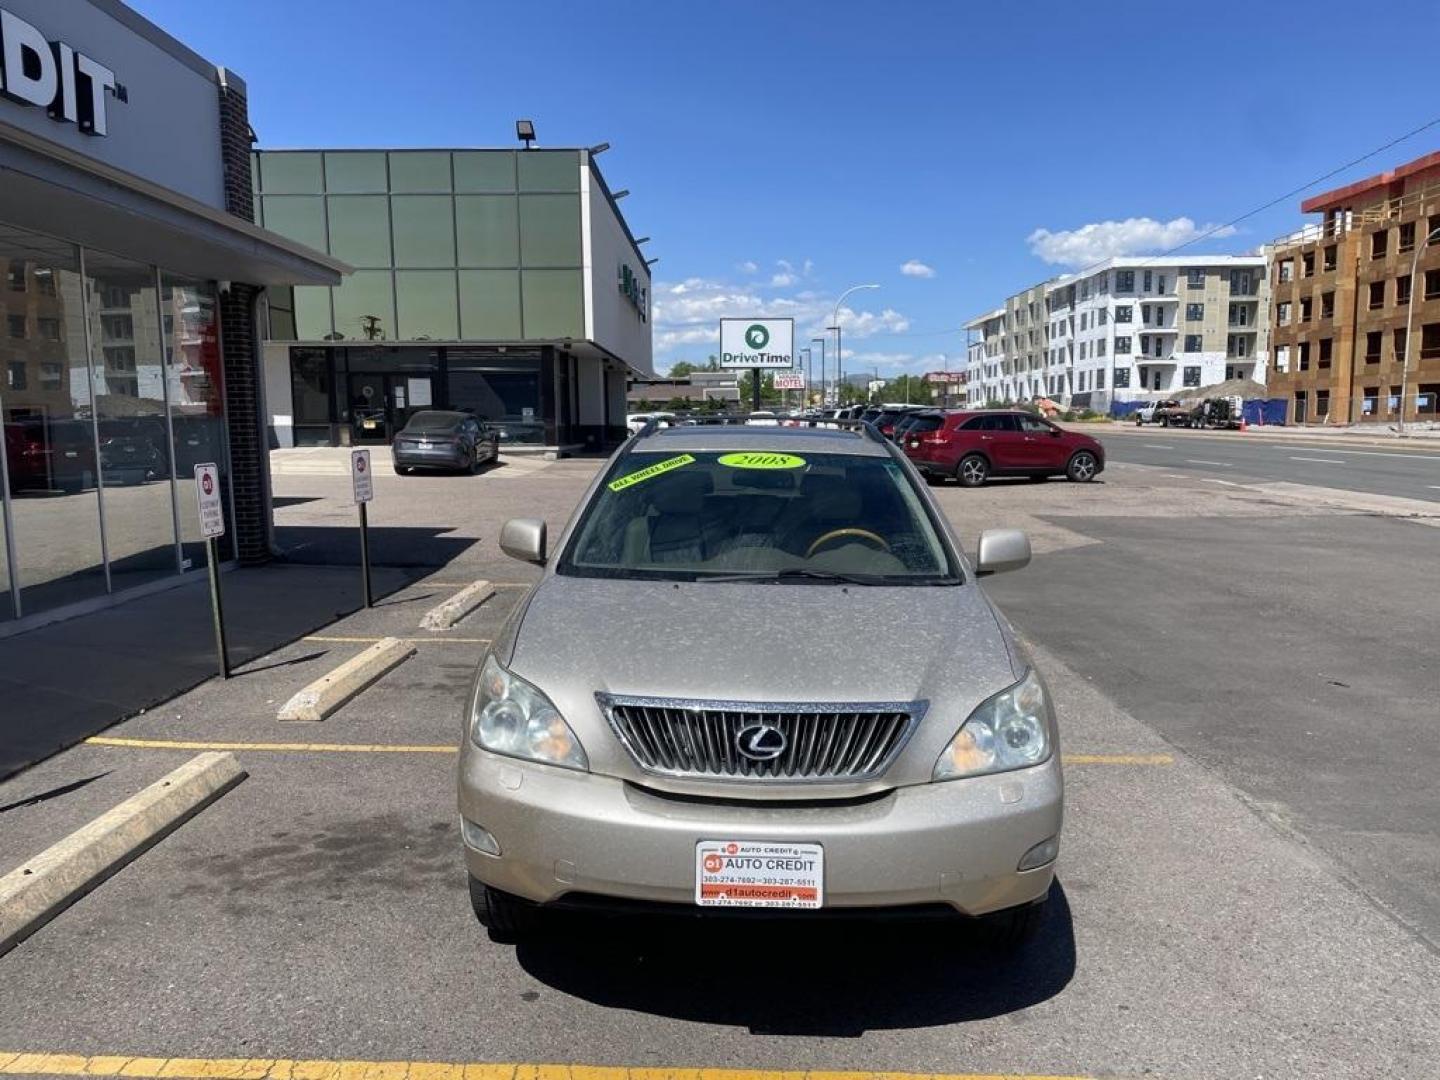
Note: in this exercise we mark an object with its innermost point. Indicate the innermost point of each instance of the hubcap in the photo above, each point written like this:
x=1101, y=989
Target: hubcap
x=973, y=470
x=1084, y=467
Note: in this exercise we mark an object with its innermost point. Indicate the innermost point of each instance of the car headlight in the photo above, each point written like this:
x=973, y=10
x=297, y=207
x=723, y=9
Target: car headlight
x=1010, y=730
x=509, y=716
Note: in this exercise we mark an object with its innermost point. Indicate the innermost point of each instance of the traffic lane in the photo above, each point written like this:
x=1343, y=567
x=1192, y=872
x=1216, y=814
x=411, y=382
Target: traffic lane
x=1402, y=473
x=1292, y=654
x=319, y=911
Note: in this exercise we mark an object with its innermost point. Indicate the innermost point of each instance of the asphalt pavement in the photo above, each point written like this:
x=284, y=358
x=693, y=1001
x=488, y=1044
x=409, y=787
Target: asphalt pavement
x=1411, y=470
x=1215, y=913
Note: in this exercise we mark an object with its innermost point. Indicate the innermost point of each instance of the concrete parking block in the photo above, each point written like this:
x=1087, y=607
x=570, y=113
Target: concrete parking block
x=35, y=892
x=444, y=616
x=332, y=690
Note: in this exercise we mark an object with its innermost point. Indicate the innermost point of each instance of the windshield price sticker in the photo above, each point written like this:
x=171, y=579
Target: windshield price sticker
x=761, y=460
x=649, y=471
x=730, y=873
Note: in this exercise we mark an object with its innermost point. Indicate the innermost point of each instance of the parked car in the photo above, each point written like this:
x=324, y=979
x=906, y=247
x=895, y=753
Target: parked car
x=762, y=418
x=973, y=446
x=1172, y=414
x=890, y=415
x=708, y=759
x=369, y=424
x=908, y=422
x=130, y=459
x=1146, y=413
x=437, y=439
x=50, y=454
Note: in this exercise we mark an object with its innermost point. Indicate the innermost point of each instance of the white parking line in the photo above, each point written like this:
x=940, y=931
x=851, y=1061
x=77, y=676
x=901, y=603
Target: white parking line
x=1434, y=487
x=1217, y=480
x=1322, y=460
x=1367, y=453
x=1200, y=461
x=1157, y=446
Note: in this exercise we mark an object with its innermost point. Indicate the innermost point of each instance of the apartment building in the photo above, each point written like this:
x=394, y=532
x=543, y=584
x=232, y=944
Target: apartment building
x=1343, y=305
x=985, y=357
x=1157, y=327
x=1060, y=314
x=1027, y=341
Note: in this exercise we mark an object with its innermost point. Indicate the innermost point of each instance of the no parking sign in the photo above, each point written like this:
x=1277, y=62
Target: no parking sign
x=207, y=499
x=360, y=478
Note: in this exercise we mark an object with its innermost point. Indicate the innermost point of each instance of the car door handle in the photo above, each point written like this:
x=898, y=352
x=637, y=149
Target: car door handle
x=986, y=438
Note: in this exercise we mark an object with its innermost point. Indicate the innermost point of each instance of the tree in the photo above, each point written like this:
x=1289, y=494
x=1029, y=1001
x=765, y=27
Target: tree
x=908, y=388
x=768, y=394
x=682, y=369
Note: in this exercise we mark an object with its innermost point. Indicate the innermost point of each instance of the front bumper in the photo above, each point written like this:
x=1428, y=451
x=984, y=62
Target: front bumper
x=958, y=843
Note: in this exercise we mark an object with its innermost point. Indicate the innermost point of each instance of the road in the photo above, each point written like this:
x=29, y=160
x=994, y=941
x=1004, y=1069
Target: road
x=1247, y=883
x=1410, y=472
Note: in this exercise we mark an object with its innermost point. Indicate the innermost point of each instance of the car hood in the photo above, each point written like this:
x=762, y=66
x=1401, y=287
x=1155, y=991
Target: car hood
x=765, y=643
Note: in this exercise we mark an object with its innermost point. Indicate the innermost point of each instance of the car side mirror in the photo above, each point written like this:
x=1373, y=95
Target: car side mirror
x=524, y=539
x=1055, y=433
x=1001, y=550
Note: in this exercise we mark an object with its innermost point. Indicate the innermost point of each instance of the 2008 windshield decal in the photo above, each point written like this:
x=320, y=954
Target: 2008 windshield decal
x=761, y=460
x=650, y=470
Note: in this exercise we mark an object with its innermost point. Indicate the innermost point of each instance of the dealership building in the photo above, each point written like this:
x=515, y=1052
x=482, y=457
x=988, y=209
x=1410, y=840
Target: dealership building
x=505, y=282
x=134, y=295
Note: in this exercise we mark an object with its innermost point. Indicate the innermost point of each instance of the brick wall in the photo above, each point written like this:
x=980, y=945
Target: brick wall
x=244, y=397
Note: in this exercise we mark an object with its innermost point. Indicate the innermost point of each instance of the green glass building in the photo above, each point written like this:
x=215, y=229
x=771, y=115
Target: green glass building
x=501, y=281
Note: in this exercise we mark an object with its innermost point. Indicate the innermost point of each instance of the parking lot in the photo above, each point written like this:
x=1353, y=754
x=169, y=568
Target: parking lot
x=1246, y=883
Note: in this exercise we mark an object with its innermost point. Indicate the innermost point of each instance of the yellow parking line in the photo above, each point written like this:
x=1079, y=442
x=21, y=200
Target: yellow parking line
x=13, y=1064
x=293, y=747
x=1117, y=759
x=343, y=638
x=423, y=748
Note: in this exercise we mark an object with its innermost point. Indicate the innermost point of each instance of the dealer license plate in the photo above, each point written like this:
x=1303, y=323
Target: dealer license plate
x=367, y=423
x=424, y=445
x=731, y=873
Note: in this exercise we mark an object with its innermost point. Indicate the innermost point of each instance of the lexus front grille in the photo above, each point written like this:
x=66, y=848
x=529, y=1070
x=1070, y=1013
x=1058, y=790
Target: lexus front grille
x=762, y=741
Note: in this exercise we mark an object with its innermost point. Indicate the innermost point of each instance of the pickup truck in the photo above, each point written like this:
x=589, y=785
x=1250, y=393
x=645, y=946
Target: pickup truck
x=1165, y=412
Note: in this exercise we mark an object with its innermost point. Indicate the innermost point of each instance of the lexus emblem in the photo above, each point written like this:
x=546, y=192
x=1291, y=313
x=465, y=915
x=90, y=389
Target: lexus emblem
x=760, y=742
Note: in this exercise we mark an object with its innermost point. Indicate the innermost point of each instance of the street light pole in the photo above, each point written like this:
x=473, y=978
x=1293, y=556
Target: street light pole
x=835, y=318
x=1410, y=320
x=806, y=395
x=821, y=340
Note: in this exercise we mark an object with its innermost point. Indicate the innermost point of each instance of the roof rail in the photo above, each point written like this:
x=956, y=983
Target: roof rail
x=865, y=427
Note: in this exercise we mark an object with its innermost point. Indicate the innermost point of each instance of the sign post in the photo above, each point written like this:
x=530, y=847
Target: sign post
x=212, y=524
x=364, y=485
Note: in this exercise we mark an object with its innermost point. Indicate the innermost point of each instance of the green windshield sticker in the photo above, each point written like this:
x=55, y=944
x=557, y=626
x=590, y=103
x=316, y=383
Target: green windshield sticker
x=649, y=471
x=761, y=460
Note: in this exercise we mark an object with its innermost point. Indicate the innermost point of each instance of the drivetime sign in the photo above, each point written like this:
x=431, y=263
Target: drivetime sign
x=757, y=343
x=53, y=76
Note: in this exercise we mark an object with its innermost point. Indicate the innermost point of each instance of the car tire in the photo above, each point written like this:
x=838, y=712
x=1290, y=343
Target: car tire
x=1039, y=478
x=1082, y=467
x=1013, y=928
x=933, y=479
x=402, y=470
x=972, y=471
x=508, y=918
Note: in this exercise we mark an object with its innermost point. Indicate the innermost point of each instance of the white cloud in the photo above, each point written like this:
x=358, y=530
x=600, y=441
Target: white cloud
x=1103, y=239
x=783, y=280
x=916, y=268
x=748, y=267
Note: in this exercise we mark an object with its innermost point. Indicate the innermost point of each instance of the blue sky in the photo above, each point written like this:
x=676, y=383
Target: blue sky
x=781, y=152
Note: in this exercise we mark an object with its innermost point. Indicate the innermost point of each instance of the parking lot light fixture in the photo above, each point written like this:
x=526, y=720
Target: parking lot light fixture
x=835, y=318
x=525, y=131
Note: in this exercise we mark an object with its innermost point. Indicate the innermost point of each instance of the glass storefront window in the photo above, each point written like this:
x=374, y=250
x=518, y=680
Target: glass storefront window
x=128, y=377
x=360, y=229
x=490, y=305
x=549, y=230
x=551, y=304
x=420, y=170
x=424, y=230
x=195, y=380
x=426, y=305
x=485, y=171
x=487, y=230
x=355, y=171
x=47, y=407
x=312, y=313
x=285, y=172
x=310, y=385
x=549, y=170
x=300, y=217
x=365, y=307
x=502, y=389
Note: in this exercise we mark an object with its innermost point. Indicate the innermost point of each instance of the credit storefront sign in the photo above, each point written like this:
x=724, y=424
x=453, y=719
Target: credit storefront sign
x=70, y=86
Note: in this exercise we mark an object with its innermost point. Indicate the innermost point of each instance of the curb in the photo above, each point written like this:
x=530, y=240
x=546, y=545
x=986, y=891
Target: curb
x=327, y=693
x=38, y=890
x=445, y=615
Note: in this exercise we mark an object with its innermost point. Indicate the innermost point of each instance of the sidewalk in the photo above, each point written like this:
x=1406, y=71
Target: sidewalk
x=1357, y=435
x=64, y=682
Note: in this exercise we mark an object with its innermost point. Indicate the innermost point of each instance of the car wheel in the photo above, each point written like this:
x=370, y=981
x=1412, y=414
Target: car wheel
x=1013, y=928
x=402, y=470
x=972, y=470
x=1082, y=467
x=508, y=918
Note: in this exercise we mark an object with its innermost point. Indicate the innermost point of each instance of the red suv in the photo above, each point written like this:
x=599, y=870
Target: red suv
x=971, y=446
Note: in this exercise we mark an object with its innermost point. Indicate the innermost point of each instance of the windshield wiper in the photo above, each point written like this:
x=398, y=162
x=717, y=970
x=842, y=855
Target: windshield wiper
x=795, y=573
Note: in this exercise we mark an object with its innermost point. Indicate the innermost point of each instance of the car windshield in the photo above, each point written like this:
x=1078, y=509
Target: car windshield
x=693, y=515
x=434, y=421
